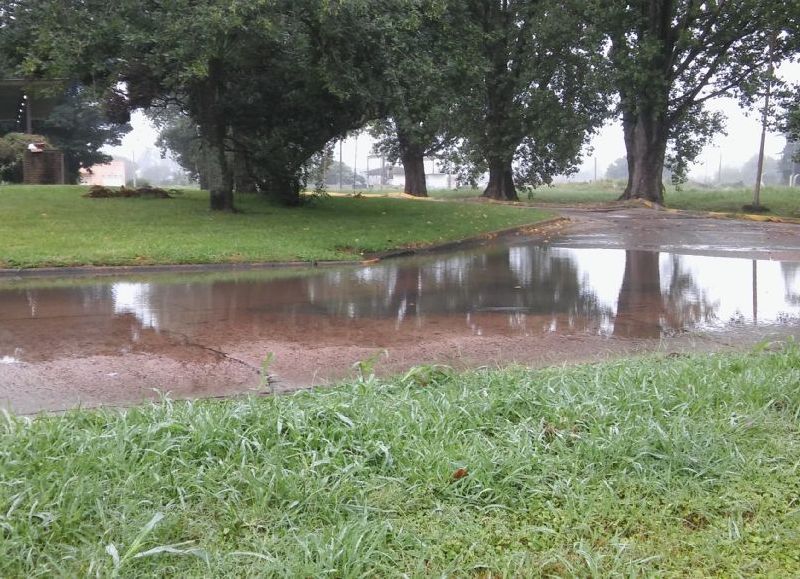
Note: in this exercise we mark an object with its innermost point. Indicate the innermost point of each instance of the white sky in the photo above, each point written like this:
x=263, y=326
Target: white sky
x=740, y=144
x=725, y=282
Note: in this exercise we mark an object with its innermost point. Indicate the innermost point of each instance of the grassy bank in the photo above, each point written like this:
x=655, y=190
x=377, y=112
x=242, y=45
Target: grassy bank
x=663, y=466
x=55, y=226
x=781, y=201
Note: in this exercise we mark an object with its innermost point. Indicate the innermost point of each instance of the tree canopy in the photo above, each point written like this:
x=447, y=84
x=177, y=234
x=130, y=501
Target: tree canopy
x=536, y=91
x=670, y=57
x=514, y=88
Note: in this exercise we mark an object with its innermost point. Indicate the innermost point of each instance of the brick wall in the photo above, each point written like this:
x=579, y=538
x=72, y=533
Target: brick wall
x=44, y=168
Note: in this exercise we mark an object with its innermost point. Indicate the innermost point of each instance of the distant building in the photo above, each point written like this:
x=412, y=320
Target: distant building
x=108, y=175
x=395, y=176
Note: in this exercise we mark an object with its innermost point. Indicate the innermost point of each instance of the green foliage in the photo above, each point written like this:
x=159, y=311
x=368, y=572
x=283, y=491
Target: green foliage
x=669, y=58
x=654, y=466
x=259, y=78
x=422, y=83
x=537, y=88
x=12, y=151
x=178, y=135
x=56, y=226
x=79, y=127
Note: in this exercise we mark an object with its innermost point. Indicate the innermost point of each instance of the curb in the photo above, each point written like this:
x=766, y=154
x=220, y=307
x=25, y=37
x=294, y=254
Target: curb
x=89, y=270
x=723, y=215
x=530, y=229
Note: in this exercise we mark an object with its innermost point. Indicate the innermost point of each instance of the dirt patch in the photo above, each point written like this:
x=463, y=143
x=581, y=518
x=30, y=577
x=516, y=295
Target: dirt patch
x=100, y=192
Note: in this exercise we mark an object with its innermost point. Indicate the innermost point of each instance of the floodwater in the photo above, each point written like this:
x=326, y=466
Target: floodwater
x=92, y=341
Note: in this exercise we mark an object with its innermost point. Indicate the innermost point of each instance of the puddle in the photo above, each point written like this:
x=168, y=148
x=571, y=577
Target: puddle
x=192, y=332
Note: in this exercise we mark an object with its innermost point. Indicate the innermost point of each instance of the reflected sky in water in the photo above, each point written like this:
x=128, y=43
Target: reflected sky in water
x=518, y=290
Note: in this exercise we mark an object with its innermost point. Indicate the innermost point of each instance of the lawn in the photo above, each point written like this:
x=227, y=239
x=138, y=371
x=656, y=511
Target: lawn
x=781, y=201
x=663, y=466
x=56, y=226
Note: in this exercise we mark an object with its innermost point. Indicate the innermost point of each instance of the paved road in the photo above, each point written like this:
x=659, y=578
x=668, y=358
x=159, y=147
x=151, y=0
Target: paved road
x=652, y=230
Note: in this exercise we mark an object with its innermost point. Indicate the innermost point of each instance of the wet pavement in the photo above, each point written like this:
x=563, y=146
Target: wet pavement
x=611, y=283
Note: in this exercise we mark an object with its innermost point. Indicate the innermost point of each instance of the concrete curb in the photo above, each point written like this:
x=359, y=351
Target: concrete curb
x=722, y=215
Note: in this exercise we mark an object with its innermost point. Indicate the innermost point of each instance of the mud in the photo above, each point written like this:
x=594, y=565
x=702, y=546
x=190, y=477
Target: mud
x=610, y=284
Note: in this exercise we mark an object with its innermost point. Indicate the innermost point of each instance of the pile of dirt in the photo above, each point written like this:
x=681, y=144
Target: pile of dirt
x=100, y=192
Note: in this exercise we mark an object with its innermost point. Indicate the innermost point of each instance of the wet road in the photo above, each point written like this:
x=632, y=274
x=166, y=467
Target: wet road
x=608, y=284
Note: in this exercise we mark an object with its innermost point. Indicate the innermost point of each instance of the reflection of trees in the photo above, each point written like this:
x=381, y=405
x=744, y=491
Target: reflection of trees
x=523, y=289
x=517, y=283
x=791, y=279
x=645, y=309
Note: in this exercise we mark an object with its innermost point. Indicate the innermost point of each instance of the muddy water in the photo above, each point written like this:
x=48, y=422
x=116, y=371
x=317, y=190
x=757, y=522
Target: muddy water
x=90, y=341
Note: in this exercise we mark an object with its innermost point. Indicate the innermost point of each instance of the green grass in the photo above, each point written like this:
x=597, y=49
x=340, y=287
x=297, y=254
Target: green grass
x=781, y=201
x=55, y=226
x=654, y=466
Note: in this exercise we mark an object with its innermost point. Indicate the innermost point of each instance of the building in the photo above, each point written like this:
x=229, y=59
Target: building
x=108, y=174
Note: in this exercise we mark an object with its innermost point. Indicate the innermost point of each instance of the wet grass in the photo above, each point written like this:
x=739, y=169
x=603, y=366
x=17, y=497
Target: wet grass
x=654, y=466
x=781, y=201
x=55, y=226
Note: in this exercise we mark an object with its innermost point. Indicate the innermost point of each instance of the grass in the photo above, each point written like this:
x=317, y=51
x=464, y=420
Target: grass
x=654, y=466
x=55, y=226
x=781, y=201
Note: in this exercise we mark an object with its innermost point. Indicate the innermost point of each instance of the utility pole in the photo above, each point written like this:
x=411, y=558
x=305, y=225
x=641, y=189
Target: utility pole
x=133, y=162
x=355, y=161
x=340, y=165
x=28, y=115
x=764, y=122
x=755, y=292
x=595, y=169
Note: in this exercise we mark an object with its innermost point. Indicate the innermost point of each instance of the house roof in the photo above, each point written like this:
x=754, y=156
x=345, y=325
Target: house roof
x=44, y=95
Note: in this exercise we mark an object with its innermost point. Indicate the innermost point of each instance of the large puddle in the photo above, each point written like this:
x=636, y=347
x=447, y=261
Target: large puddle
x=113, y=340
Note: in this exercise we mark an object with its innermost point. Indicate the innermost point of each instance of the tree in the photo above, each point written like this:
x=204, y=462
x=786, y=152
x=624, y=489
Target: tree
x=349, y=177
x=618, y=170
x=670, y=57
x=789, y=163
x=423, y=83
x=179, y=135
x=537, y=93
x=269, y=80
x=12, y=152
x=79, y=127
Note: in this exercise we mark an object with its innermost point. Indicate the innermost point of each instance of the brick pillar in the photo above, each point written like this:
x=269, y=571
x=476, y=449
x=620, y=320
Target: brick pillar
x=43, y=168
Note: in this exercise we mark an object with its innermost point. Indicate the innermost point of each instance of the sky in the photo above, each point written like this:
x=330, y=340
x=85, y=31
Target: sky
x=737, y=147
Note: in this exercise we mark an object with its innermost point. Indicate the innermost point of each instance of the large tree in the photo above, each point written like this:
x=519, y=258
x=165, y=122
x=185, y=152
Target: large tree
x=80, y=128
x=537, y=91
x=423, y=84
x=270, y=81
x=670, y=57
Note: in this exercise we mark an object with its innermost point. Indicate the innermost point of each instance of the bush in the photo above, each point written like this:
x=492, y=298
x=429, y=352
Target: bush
x=12, y=151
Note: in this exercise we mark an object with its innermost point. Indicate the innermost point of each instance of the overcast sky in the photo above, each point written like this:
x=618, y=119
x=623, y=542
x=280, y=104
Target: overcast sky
x=740, y=144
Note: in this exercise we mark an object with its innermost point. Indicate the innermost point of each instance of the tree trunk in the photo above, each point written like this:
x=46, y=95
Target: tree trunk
x=243, y=180
x=414, y=167
x=284, y=188
x=640, y=306
x=214, y=132
x=646, y=145
x=220, y=179
x=202, y=177
x=412, y=155
x=501, y=181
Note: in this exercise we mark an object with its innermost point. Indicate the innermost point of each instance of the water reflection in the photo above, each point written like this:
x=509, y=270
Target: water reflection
x=521, y=290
